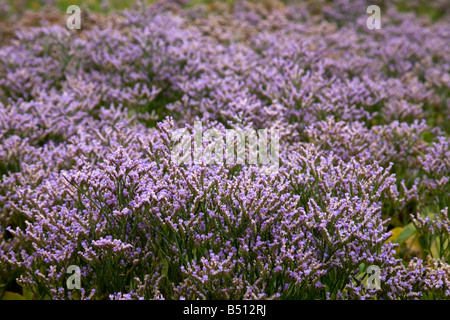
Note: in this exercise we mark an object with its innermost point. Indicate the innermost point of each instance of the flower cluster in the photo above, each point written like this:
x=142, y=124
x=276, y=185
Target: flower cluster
x=87, y=176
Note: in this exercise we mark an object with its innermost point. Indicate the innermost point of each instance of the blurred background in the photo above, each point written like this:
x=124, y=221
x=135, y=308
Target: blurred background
x=13, y=9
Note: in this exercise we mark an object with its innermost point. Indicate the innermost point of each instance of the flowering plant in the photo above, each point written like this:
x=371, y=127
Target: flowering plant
x=88, y=176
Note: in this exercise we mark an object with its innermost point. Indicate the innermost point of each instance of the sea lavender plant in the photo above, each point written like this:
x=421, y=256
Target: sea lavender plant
x=87, y=176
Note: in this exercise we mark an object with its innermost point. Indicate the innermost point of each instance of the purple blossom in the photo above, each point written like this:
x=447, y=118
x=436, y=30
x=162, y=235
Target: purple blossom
x=87, y=178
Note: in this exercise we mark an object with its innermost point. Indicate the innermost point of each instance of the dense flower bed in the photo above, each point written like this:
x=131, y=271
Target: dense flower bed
x=87, y=177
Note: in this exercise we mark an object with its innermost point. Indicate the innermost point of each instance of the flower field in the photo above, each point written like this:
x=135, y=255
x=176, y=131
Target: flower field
x=88, y=176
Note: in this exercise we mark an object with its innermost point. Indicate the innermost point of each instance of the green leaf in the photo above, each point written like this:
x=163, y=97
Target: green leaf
x=362, y=268
x=408, y=231
x=396, y=232
x=28, y=294
x=165, y=267
x=12, y=296
x=430, y=211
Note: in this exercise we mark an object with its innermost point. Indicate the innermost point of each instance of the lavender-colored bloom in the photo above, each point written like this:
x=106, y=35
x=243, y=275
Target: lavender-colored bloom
x=87, y=177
